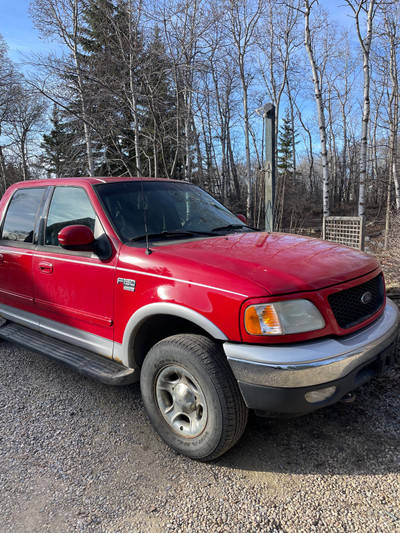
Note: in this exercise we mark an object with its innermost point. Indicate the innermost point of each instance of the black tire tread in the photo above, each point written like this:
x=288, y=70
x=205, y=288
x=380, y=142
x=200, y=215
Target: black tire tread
x=211, y=356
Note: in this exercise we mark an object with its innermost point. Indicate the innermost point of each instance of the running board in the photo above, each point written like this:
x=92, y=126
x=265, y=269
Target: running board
x=85, y=362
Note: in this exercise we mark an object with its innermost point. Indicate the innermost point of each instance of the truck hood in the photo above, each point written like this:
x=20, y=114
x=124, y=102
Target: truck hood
x=279, y=263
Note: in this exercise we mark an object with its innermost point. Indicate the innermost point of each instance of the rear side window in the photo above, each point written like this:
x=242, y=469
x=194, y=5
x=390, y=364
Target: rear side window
x=69, y=206
x=22, y=214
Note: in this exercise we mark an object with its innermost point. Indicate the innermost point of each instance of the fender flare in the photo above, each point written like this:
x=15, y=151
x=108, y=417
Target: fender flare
x=123, y=352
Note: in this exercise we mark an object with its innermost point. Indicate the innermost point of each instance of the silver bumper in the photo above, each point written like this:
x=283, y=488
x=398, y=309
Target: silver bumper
x=315, y=362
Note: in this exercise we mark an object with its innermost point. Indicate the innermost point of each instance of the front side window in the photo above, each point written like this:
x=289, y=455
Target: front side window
x=69, y=206
x=21, y=216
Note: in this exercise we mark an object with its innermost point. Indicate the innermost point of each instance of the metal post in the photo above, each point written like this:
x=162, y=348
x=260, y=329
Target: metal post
x=269, y=128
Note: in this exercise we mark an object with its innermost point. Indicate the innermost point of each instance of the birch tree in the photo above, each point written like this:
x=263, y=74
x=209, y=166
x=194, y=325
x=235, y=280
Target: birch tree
x=128, y=41
x=364, y=12
x=184, y=25
x=62, y=20
x=8, y=87
x=243, y=17
x=278, y=39
x=391, y=25
x=308, y=42
x=344, y=78
x=24, y=123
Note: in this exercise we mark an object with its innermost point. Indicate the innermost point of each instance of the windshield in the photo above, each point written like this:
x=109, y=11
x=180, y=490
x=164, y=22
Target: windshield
x=169, y=209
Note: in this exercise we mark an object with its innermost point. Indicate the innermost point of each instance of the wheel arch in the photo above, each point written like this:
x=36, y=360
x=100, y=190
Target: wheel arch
x=154, y=322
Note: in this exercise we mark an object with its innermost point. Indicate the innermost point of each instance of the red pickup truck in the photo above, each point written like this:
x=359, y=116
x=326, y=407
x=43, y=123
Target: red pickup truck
x=128, y=279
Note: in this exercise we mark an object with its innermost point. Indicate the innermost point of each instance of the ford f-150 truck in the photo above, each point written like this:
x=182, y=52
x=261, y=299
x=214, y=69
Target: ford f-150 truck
x=128, y=279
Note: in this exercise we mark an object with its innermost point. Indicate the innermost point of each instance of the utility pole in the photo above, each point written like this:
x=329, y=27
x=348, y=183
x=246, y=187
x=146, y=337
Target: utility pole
x=269, y=169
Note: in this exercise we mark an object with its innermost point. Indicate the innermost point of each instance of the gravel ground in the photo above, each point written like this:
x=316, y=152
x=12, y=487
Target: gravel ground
x=77, y=455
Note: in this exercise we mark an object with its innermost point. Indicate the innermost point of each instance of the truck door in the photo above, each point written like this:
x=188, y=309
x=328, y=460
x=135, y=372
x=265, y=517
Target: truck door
x=17, y=244
x=73, y=290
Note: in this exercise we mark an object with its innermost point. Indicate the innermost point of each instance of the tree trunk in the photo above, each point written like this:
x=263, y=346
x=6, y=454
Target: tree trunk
x=3, y=170
x=365, y=44
x=320, y=109
x=78, y=72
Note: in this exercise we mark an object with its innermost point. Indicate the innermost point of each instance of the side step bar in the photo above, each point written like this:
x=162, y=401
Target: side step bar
x=85, y=362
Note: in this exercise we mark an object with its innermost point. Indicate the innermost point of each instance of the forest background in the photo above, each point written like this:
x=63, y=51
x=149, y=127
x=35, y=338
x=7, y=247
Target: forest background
x=176, y=89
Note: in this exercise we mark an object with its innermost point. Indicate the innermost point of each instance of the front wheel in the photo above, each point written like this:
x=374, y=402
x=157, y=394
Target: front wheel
x=191, y=396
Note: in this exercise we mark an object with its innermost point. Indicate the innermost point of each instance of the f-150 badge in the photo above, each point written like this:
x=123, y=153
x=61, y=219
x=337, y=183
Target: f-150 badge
x=129, y=284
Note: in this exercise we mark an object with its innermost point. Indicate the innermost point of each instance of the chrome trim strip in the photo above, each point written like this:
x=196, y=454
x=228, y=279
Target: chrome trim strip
x=74, y=336
x=15, y=250
x=16, y=296
x=313, y=362
x=98, y=320
x=86, y=262
x=181, y=281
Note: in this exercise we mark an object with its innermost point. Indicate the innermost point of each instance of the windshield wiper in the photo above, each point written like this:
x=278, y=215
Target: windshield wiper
x=233, y=226
x=209, y=233
x=163, y=235
x=172, y=234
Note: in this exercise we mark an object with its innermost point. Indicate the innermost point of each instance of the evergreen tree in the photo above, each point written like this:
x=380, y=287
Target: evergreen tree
x=286, y=141
x=109, y=50
x=63, y=148
x=103, y=73
x=159, y=120
x=286, y=195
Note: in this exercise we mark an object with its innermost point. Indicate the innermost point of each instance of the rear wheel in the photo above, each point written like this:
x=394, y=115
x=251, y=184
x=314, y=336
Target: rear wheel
x=192, y=397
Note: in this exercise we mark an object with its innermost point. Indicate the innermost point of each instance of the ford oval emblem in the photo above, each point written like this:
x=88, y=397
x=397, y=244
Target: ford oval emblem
x=366, y=297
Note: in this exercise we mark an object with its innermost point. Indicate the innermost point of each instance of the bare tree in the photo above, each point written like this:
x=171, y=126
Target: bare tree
x=62, y=20
x=185, y=25
x=8, y=87
x=279, y=39
x=220, y=110
x=364, y=12
x=127, y=36
x=308, y=41
x=343, y=82
x=391, y=25
x=24, y=124
x=243, y=17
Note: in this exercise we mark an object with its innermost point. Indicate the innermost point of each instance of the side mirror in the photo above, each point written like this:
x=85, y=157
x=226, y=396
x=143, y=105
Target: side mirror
x=78, y=237
x=242, y=218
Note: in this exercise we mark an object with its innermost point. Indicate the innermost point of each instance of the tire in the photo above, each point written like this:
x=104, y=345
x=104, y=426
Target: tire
x=191, y=396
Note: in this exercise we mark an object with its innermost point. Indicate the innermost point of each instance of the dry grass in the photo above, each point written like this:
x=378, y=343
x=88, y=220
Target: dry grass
x=390, y=258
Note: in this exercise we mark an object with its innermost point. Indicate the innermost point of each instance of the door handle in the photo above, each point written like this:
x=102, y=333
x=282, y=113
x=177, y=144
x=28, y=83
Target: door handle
x=45, y=267
x=1, y=258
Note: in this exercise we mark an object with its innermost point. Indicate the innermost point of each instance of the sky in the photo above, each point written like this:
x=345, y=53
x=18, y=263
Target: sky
x=17, y=29
x=21, y=37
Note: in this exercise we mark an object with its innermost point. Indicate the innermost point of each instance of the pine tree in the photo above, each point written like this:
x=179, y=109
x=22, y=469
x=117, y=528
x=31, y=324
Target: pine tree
x=63, y=148
x=159, y=118
x=285, y=145
x=285, y=189
x=104, y=71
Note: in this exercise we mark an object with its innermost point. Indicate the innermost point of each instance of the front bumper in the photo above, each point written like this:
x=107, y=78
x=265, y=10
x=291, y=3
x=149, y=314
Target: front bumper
x=278, y=379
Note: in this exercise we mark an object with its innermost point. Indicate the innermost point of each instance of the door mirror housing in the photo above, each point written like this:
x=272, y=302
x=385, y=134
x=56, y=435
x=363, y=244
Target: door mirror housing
x=78, y=237
x=242, y=218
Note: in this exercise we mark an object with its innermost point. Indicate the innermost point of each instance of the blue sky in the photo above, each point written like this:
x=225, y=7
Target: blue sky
x=17, y=29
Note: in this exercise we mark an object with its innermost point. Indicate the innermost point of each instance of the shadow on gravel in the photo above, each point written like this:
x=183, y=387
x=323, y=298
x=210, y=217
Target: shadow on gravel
x=394, y=294
x=358, y=438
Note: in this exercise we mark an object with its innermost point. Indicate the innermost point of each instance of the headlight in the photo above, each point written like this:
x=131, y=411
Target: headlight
x=283, y=318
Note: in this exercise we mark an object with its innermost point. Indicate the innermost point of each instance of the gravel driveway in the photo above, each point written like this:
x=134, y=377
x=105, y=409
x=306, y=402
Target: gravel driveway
x=77, y=455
